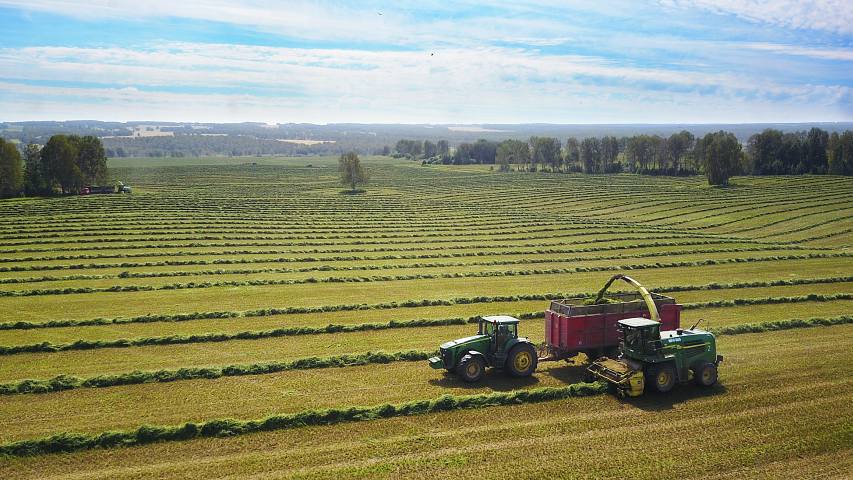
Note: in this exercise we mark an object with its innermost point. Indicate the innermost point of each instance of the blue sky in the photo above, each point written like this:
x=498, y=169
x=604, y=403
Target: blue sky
x=668, y=61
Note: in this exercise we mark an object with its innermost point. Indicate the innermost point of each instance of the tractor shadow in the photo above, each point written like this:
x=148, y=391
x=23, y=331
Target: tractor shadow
x=501, y=381
x=658, y=402
x=565, y=372
x=493, y=379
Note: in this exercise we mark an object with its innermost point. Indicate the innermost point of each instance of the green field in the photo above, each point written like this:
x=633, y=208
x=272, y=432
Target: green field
x=222, y=274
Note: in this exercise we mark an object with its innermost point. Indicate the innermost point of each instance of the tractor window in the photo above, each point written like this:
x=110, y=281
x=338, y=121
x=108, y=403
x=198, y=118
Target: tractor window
x=512, y=330
x=632, y=338
x=487, y=328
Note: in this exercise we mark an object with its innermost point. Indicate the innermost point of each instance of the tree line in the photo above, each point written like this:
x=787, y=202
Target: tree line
x=718, y=155
x=64, y=165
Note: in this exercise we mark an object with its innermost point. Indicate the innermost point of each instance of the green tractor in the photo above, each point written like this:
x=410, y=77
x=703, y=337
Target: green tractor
x=495, y=345
x=661, y=359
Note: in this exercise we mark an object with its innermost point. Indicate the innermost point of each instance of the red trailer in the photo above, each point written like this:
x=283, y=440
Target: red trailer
x=572, y=327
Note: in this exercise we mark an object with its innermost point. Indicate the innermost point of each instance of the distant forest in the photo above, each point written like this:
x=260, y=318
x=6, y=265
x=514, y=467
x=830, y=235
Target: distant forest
x=645, y=149
x=771, y=152
x=251, y=139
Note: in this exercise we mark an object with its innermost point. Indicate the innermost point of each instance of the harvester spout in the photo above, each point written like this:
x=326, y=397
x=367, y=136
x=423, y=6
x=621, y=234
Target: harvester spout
x=650, y=303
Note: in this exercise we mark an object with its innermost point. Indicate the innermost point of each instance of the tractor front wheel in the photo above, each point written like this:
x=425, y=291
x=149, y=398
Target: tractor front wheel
x=706, y=374
x=471, y=368
x=522, y=360
x=662, y=377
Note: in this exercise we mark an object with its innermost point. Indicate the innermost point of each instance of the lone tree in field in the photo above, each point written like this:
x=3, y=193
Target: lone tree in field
x=721, y=153
x=352, y=173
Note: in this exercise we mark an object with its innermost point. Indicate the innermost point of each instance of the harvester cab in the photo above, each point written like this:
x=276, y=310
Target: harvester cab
x=495, y=345
x=648, y=355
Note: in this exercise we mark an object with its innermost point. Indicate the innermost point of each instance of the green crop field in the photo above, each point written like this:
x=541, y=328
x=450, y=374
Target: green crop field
x=246, y=317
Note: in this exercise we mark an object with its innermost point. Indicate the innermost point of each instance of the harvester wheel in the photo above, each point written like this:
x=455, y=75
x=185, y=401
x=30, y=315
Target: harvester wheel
x=522, y=360
x=662, y=377
x=471, y=368
x=705, y=374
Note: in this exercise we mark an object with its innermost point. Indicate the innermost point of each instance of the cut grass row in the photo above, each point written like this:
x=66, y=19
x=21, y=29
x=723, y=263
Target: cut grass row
x=112, y=329
x=314, y=264
x=807, y=286
x=88, y=363
x=613, y=239
x=69, y=442
x=66, y=382
x=262, y=248
x=87, y=306
x=725, y=254
x=128, y=406
x=82, y=344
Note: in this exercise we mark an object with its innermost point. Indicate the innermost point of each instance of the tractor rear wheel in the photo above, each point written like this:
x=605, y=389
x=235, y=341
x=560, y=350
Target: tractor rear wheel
x=471, y=368
x=705, y=374
x=662, y=377
x=522, y=361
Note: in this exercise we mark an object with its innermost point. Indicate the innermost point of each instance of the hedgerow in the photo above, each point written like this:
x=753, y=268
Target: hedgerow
x=70, y=442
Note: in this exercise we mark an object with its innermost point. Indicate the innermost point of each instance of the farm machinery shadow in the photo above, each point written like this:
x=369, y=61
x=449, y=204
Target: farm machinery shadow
x=658, y=402
x=492, y=379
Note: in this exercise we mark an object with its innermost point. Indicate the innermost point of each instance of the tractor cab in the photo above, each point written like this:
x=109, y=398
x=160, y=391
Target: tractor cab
x=495, y=345
x=500, y=329
x=639, y=337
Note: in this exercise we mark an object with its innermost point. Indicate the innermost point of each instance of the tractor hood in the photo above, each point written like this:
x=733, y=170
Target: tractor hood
x=462, y=341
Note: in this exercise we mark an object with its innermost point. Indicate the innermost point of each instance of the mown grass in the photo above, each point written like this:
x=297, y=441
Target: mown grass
x=554, y=429
x=111, y=360
x=243, y=298
x=507, y=237
x=314, y=320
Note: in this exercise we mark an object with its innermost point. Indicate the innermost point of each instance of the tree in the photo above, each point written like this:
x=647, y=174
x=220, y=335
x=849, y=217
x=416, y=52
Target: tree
x=35, y=182
x=545, y=151
x=351, y=171
x=484, y=151
x=11, y=170
x=59, y=163
x=92, y=160
x=463, y=154
x=430, y=149
x=722, y=155
x=512, y=151
x=443, y=150
x=678, y=144
x=841, y=153
x=573, y=155
x=411, y=148
x=609, y=154
x=816, y=146
x=640, y=151
x=591, y=155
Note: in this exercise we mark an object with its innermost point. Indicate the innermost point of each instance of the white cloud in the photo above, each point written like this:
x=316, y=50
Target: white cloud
x=827, y=15
x=456, y=85
x=813, y=52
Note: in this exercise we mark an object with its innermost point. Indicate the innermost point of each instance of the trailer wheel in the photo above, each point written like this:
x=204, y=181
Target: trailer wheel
x=471, y=368
x=705, y=374
x=522, y=360
x=662, y=377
